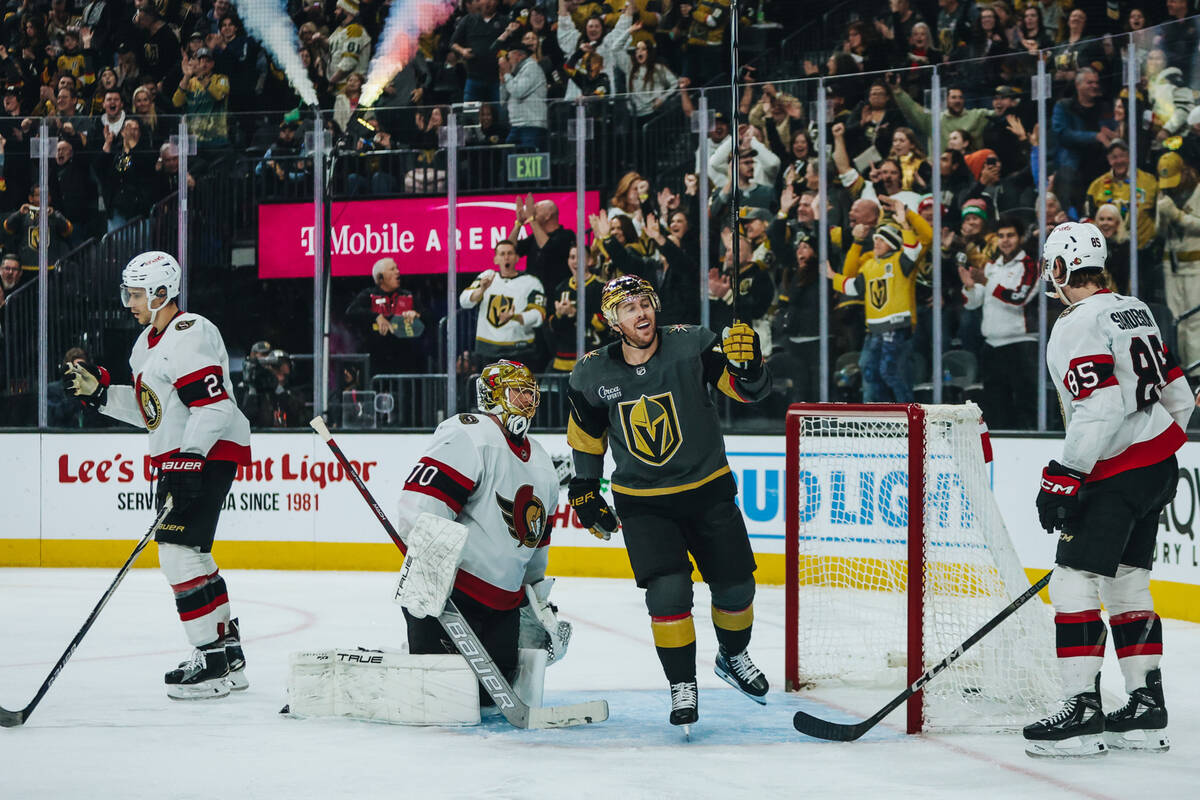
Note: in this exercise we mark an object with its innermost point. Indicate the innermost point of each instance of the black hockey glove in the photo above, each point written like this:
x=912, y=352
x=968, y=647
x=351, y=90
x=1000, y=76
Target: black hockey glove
x=1058, y=500
x=87, y=382
x=591, y=508
x=742, y=349
x=180, y=477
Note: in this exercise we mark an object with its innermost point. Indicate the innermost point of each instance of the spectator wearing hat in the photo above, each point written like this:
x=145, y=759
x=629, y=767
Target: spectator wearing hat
x=523, y=90
x=159, y=44
x=204, y=96
x=1003, y=290
x=755, y=222
x=766, y=163
x=1001, y=192
x=1007, y=130
x=1179, y=225
x=751, y=192
x=754, y=287
x=379, y=315
x=282, y=170
x=886, y=279
x=1113, y=187
x=349, y=45
x=21, y=226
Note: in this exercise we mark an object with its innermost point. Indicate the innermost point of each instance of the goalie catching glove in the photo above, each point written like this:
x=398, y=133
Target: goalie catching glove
x=540, y=626
x=87, y=382
x=743, y=351
x=592, y=509
x=1058, y=500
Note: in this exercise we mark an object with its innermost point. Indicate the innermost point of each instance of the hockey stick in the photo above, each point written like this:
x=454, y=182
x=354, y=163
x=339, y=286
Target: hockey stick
x=848, y=732
x=11, y=719
x=518, y=713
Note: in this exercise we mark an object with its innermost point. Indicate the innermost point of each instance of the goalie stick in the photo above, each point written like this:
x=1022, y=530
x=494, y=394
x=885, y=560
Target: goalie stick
x=518, y=713
x=11, y=719
x=848, y=732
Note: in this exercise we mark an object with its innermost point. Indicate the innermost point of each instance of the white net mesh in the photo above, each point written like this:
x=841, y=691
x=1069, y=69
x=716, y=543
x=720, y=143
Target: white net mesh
x=852, y=517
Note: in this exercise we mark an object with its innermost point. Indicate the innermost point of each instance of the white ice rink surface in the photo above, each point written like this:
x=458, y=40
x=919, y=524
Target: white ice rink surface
x=107, y=730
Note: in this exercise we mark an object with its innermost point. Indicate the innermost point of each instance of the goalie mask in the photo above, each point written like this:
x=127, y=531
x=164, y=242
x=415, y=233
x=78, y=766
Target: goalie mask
x=621, y=290
x=156, y=272
x=1072, y=247
x=508, y=390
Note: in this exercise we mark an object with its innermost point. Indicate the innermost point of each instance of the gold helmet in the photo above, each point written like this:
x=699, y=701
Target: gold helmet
x=619, y=290
x=496, y=390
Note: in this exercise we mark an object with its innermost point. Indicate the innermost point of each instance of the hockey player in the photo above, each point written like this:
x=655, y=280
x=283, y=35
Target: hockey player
x=485, y=472
x=1125, y=406
x=182, y=395
x=672, y=485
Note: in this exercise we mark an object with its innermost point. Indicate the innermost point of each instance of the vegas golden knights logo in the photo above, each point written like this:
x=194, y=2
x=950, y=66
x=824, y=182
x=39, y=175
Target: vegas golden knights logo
x=879, y=293
x=525, y=516
x=497, y=306
x=651, y=427
x=148, y=404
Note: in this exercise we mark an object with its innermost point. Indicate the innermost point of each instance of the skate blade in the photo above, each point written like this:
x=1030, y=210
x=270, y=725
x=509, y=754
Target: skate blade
x=687, y=732
x=209, y=690
x=237, y=681
x=1089, y=746
x=1145, y=741
x=732, y=681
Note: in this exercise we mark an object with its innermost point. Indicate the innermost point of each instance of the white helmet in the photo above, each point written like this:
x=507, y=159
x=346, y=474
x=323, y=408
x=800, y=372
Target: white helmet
x=1071, y=247
x=156, y=272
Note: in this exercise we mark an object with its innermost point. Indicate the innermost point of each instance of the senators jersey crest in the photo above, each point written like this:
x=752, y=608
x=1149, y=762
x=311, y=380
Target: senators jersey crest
x=651, y=428
x=525, y=516
x=148, y=404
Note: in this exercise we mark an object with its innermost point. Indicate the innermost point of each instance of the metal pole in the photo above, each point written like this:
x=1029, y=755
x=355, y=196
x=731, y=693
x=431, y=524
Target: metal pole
x=734, y=178
x=1042, y=96
x=702, y=190
x=43, y=151
x=319, y=249
x=183, y=146
x=1131, y=121
x=823, y=234
x=935, y=158
x=580, y=231
x=451, y=264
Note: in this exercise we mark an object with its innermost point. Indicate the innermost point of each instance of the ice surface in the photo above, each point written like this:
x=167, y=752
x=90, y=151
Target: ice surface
x=107, y=730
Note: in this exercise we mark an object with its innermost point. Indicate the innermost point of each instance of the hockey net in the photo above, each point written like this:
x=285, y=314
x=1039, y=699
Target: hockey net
x=874, y=597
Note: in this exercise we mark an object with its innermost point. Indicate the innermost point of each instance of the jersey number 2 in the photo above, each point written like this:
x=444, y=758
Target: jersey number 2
x=1150, y=366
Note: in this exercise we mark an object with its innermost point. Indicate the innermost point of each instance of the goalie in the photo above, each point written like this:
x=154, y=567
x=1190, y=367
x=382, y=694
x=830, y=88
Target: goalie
x=492, y=485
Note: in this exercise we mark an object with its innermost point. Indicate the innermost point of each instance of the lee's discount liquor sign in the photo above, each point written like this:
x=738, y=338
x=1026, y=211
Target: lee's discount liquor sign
x=412, y=230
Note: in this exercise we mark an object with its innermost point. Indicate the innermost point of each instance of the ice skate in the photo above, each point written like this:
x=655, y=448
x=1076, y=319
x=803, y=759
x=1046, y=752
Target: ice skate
x=1140, y=724
x=685, y=705
x=236, y=679
x=1075, y=730
x=203, y=677
x=740, y=673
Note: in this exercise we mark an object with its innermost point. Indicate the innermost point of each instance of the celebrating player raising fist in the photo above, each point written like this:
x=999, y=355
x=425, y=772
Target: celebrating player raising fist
x=672, y=485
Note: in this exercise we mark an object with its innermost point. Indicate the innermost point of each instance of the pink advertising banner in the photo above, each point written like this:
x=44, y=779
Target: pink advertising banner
x=412, y=230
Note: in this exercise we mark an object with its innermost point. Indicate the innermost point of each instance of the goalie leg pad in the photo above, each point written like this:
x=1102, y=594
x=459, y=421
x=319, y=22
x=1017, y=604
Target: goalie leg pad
x=201, y=597
x=435, y=547
x=530, y=679
x=383, y=686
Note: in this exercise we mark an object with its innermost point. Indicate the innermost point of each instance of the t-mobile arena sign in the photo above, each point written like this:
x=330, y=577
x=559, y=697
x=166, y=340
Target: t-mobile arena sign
x=412, y=230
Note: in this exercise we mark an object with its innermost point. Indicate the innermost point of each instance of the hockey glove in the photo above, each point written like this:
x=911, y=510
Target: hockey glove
x=743, y=351
x=540, y=625
x=1058, y=500
x=87, y=382
x=181, y=477
x=591, y=508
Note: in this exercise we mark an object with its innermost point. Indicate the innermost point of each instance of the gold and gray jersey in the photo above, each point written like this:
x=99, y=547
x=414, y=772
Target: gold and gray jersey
x=659, y=417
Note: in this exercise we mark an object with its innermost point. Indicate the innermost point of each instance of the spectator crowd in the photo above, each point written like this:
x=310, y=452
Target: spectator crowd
x=107, y=75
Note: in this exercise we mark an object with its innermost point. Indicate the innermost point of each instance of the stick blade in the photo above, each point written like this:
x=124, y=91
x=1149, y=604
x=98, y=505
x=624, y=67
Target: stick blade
x=11, y=719
x=830, y=731
x=568, y=716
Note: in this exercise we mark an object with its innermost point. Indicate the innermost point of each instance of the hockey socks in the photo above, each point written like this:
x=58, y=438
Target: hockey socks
x=675, y=641
x=733, y=628
x=1137, y=636
x=1079, y=637
x=203, y=606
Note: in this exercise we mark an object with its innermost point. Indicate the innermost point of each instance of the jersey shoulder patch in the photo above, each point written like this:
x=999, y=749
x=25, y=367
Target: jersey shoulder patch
x=468, y=419
x=184, y=324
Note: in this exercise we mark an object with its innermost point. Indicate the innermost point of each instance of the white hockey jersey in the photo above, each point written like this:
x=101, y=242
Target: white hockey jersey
x=1004, y=298
x=1124, y=399
x=522, y=294
x=504, y=494
x=181, y=393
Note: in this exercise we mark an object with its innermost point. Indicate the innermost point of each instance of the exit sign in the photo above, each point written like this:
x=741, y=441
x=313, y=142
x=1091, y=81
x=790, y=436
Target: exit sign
x=529, y=167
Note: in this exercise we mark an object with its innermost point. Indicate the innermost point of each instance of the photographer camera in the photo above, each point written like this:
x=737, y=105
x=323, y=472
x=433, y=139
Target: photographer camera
x=268, y=400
